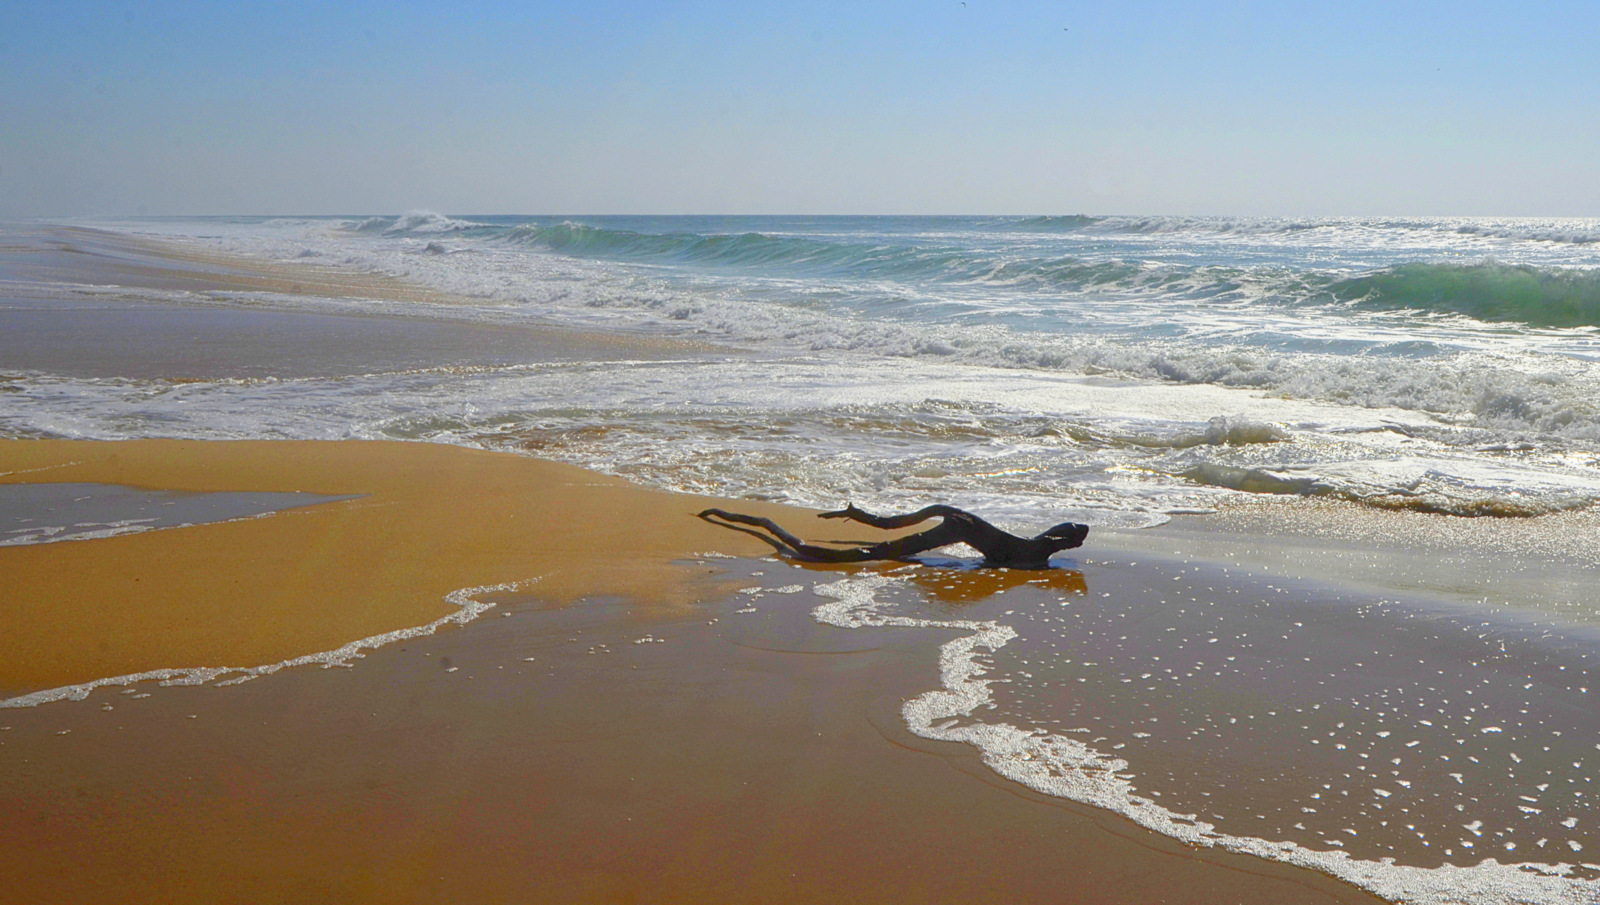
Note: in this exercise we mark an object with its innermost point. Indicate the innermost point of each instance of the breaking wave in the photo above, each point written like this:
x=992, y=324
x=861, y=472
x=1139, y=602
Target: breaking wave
x=1540, y=296
x=1575, y=233
x=1222, y=430
x=1521, y=293
x=793, y=254
x=1428, y=496
x=1063, y=223
x=413, y=223
x=1362, y=316
x=1555, y=231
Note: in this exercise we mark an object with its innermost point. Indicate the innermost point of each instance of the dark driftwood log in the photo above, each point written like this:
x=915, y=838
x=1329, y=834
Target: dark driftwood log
x=999, y=548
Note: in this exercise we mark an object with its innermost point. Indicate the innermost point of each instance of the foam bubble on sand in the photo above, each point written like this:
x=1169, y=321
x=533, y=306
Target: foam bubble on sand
x=1064, y=767
x=468, y=609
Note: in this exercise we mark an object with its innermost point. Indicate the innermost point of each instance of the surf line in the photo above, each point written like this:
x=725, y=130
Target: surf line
x=467, y=609
x=1064, y=767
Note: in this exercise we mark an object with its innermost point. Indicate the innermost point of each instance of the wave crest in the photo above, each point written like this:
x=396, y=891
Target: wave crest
x=1541, y=297
x=1562, y=233
x=1223, y=430
x=1063, y=223
x=415, y=222
x=879, y=261
x=1427, y=496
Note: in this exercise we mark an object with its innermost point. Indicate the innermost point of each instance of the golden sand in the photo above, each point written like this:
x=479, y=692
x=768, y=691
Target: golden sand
x=710, y=767
x=548, y=756
x=433, y=519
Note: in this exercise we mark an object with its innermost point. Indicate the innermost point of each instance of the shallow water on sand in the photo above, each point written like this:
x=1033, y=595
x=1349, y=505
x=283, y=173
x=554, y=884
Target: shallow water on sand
x=1407, y=744
x=44, y=513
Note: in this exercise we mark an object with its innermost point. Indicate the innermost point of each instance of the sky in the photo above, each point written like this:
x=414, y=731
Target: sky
x=1279, y=108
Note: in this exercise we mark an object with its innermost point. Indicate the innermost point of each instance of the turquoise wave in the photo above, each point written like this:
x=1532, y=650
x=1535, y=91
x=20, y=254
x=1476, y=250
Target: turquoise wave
x=1541, y=297
x=1520, y=293
x=788, y=254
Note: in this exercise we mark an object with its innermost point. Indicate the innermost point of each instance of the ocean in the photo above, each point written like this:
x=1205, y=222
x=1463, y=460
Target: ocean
x=1114, y=370
x=1426, y=731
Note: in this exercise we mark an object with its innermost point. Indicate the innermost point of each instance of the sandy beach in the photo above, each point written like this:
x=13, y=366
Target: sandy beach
x=542, y=752
x=441, y=447
x=455, y=674
x=426, y=521
x=495, y=760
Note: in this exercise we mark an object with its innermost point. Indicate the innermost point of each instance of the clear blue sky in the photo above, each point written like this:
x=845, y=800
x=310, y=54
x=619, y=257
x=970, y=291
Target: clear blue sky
x=1292, y=108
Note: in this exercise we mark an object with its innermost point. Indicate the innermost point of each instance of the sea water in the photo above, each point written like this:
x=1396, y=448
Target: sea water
x=45, y=513
x=1120, y=371
x=1111, y=370
x=1427, y=754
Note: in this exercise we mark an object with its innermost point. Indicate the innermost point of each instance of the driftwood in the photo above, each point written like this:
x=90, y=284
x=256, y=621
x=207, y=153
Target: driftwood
x=999, y=548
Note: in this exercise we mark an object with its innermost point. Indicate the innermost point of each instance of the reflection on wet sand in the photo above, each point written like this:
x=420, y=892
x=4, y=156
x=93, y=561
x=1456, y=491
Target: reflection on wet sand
x=960, y=581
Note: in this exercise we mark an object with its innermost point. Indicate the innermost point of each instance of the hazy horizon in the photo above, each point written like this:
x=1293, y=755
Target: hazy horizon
x=713, y=215
x=717, y=109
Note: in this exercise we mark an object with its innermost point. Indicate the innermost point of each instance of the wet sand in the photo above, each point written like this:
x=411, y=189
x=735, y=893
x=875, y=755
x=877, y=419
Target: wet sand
x=82, y=255
x=600, y=752
x=86, y=303
x=429, y=520
x=51, y=513
x=732, y=759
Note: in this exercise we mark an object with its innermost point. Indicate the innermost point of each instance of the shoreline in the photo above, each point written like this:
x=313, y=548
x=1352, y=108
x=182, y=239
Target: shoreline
x=608, y=749
x=430, y=521
x=559, y=541
x=506, y=607
x=88, y=303
x=598, y=541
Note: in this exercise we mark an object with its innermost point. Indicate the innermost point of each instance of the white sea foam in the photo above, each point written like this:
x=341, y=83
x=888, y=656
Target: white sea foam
x=49, y=534
x=467, y=610
x=1062, y=766
x=421, y=221
x=851, y=354
x=1038, y=444
x=1518, y=387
